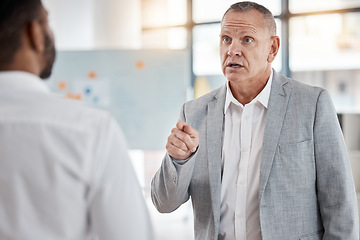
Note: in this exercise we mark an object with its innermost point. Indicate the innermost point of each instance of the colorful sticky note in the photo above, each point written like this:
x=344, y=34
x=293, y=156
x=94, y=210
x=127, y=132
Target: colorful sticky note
x=62, y=85
x=92, y=75
x=140, y=65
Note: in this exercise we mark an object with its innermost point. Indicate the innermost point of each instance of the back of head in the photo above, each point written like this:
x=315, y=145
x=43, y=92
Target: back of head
x=247, y=6
x=14, y=16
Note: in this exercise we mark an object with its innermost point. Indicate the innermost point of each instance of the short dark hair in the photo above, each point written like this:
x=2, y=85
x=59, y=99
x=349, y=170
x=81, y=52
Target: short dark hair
x=247, y=6
x=14, y=16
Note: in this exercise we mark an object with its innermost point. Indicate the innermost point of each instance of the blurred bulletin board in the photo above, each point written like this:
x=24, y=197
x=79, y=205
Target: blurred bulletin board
x=143, y=89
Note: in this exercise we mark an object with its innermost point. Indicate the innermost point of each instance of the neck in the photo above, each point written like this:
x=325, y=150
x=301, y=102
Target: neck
x=22, y=61
x=246, y=91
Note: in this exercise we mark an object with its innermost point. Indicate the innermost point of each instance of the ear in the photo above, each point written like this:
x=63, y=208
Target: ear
x=274, y=48
x=35, y=36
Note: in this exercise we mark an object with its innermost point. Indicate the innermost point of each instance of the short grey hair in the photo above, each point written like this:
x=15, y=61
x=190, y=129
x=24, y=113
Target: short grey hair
x=247, y=6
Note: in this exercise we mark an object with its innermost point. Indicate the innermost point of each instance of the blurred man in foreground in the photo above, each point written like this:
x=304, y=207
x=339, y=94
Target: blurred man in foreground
x=64, y=168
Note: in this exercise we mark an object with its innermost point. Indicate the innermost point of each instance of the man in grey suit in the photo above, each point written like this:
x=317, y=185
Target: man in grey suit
x=262, y=157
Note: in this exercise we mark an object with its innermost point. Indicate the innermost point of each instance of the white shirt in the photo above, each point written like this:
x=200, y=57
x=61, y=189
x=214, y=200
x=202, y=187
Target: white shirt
x=243, y=137
x=64, y=169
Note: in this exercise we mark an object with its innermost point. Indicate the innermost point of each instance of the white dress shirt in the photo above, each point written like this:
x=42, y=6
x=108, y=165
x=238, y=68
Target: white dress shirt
x=64, y=169
x=243, y=137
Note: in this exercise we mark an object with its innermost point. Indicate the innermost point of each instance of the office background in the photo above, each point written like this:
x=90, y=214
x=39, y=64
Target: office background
x=141, y=59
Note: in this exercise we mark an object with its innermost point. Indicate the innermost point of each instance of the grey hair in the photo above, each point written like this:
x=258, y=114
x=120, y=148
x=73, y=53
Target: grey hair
x=247, y=6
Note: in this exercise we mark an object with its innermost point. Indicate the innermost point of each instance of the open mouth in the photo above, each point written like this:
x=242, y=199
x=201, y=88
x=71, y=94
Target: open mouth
x=234, y=65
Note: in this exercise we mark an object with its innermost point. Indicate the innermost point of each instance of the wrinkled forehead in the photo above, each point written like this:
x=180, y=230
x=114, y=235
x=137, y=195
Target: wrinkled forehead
x=252, y=20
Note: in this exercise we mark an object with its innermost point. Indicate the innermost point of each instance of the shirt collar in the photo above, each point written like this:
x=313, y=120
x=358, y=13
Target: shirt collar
x=21, y=81
x=262, y=97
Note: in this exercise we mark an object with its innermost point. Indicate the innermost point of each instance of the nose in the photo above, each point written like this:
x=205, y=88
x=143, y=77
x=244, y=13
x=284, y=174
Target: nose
x=234, y=49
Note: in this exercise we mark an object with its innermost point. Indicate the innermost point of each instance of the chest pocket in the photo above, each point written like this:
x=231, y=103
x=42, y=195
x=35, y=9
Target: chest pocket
x=296, y=164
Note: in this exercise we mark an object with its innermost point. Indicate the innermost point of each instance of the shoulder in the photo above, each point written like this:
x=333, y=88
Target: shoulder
x=204, y=100
x=303, y=99
x=195, y=111
x=296, y=87
x=66, y=113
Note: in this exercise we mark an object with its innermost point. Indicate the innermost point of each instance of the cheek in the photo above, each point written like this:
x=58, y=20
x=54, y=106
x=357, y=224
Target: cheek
x=222, y=58
x=223, y=55
x=260, y=56
x=222, y=62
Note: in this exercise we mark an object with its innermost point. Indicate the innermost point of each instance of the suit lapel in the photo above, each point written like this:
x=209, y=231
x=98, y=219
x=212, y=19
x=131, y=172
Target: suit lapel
x=215, y=122
x=278, y=102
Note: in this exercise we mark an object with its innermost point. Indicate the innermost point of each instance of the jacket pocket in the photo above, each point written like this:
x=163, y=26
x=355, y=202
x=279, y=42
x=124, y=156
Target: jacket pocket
x=296, y=164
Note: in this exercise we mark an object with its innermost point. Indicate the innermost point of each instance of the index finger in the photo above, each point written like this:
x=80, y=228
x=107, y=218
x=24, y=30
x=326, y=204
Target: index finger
x=185, y=127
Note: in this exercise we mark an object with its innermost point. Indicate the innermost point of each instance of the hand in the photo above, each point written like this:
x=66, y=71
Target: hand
x=183, y=141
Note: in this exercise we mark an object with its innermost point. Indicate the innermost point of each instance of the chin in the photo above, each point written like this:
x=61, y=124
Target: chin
x=235, y=77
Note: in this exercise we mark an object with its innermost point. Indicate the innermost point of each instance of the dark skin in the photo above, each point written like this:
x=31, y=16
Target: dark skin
x=30, y=56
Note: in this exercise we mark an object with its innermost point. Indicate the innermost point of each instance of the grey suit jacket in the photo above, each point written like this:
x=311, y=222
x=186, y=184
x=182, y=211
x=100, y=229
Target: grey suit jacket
x=306, y=185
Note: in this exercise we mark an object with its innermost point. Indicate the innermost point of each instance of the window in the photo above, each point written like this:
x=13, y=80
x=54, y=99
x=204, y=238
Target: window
x=206, y=49
x=297, y=6
x=163, y=13
x=325, y=51
x=325, y=42
x=165, y=38
x=213, y=10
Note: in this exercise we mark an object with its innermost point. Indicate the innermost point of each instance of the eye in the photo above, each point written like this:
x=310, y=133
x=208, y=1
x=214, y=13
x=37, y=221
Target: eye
x=248, y=40
x=226, y=39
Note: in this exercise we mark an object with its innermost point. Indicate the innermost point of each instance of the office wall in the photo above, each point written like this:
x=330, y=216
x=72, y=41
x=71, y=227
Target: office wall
x=144, y=89
x=95, y=24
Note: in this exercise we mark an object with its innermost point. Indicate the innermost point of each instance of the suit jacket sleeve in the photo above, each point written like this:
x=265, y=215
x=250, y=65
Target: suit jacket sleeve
x=170, y=185
x=335, y=186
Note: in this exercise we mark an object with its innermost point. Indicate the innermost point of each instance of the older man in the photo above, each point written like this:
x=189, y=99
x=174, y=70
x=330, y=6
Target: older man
x=262, y=157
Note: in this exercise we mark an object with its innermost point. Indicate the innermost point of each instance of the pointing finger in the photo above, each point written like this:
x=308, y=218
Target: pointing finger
x=185, y=127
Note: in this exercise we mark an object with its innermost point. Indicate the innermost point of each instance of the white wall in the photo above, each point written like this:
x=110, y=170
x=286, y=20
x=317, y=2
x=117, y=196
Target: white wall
x=95, y=24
